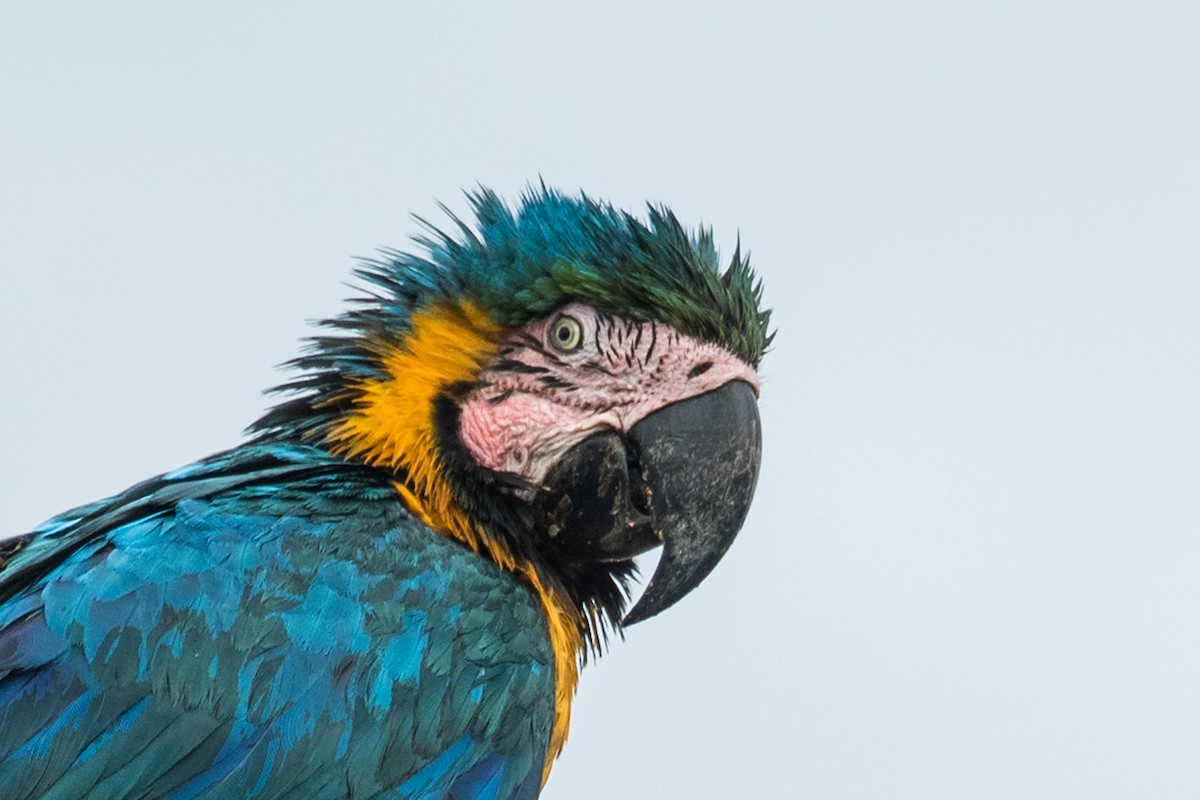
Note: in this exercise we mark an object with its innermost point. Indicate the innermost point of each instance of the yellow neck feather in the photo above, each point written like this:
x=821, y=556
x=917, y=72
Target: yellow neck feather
x=393, y=427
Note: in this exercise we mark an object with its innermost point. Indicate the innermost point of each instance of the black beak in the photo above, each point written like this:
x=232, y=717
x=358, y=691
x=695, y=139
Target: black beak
x=700, y=458
x=683, y=477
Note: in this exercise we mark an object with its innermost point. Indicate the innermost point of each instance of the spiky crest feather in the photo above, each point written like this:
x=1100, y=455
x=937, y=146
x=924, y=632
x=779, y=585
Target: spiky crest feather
x=518, y=267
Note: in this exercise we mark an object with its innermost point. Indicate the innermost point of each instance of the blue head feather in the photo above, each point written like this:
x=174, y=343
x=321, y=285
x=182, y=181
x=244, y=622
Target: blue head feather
x=520, y=265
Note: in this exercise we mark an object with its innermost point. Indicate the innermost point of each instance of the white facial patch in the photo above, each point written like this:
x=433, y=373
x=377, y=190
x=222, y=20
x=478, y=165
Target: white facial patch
x=541, y=398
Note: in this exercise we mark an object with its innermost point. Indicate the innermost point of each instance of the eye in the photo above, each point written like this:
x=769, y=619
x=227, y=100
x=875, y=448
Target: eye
x=566, y=334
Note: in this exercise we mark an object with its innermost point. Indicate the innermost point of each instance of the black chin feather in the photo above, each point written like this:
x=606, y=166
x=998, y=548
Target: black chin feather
x=601, y=591
x=499, y=501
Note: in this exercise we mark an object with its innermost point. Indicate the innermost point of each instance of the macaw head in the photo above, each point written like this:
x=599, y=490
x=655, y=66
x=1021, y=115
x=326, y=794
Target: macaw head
x=560, y=388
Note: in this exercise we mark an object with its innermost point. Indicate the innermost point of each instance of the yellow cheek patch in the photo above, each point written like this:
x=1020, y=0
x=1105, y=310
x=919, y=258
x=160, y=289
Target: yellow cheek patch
x=393, y=424
x=393, y=427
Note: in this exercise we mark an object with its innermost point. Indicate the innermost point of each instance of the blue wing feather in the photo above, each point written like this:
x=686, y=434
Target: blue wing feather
x=267, y=623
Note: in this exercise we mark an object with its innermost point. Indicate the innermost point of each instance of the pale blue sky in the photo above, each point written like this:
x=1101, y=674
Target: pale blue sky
x=972, y=567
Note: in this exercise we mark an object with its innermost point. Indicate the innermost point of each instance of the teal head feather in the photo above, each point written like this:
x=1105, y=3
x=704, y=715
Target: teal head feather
x=518, y=266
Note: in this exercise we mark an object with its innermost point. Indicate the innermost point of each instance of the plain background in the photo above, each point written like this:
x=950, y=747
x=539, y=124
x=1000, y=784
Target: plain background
x=973, y=566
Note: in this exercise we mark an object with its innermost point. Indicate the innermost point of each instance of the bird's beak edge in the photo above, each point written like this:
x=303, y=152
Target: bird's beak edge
x=700, y=458
x=682, y=478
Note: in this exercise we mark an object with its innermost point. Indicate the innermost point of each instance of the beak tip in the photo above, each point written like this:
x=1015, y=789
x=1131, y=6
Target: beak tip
x=641, y=612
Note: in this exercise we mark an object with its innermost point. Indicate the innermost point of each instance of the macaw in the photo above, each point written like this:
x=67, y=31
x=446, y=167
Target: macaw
x=389, y=589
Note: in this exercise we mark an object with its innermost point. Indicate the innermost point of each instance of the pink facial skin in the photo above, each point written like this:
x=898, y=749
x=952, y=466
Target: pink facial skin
x=536, y=402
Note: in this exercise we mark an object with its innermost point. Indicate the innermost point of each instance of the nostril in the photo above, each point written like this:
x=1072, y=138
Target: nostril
x=699, y=369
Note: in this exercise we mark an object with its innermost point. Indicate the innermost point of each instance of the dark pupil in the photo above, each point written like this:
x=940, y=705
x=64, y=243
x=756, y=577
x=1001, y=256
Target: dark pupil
x=564, y=333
